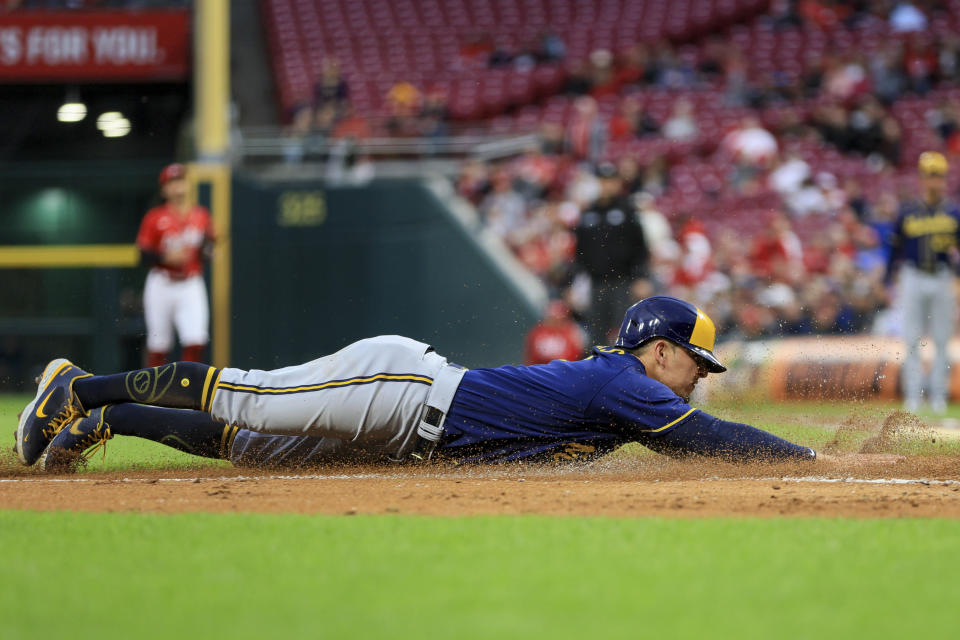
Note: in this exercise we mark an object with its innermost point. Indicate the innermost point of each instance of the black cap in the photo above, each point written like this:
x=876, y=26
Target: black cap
x=607, y=170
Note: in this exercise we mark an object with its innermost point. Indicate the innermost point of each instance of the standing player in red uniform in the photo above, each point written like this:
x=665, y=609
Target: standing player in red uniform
x=556, y=337
x=174, y=240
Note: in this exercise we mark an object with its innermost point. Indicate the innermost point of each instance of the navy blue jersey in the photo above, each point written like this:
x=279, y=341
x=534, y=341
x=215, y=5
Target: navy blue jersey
x=925, y=236
x=559, y=411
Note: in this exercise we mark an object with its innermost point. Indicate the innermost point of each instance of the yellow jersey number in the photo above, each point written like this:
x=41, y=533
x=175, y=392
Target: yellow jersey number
x=301, y=209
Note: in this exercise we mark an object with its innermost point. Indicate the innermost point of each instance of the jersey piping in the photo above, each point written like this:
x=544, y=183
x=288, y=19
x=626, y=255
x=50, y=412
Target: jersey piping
x=377, y=377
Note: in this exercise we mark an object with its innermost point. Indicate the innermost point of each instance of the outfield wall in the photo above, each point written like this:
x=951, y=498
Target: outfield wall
x=315, y=268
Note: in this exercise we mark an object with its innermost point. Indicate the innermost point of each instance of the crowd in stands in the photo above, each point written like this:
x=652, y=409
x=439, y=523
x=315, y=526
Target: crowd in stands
x=412, y=112
x=816, y=260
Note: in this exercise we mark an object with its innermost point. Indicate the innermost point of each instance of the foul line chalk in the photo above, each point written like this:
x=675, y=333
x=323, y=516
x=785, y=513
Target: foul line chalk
x=375, y=476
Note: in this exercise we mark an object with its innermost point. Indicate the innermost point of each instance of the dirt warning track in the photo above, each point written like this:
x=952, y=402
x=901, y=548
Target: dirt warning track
x=915, y=487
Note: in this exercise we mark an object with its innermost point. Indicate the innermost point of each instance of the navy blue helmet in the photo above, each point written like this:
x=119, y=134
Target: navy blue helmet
x=674, y=319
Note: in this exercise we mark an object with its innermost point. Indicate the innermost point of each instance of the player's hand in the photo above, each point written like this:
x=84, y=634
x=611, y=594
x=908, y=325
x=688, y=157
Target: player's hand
x=857, y=459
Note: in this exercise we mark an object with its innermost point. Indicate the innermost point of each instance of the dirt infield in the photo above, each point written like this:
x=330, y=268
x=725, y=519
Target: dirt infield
x=648, y=486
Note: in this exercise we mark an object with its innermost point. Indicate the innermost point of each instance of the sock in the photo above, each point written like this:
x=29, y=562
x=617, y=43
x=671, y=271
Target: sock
x=179, y=385
x=156, y=358
x=193, y=432
x=194, y=353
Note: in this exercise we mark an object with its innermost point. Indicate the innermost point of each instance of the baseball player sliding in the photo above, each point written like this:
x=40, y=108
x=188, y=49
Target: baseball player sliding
x=174, y=240
x=393, y=398
x=925, y=239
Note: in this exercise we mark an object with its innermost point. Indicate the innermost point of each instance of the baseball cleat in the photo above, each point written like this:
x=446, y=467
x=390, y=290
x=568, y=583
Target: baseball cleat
x=50, y=411
x=69, y=448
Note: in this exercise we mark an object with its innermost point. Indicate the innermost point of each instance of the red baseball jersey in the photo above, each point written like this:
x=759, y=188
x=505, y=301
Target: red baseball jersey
x=164, y=229
x=559, y=342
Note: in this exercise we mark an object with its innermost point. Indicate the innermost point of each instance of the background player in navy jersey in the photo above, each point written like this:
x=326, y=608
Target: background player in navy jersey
x=925, y=240
x=392, y=398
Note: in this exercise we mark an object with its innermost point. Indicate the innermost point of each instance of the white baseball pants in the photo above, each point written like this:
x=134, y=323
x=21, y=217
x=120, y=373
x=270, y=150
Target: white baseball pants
x=179, y=305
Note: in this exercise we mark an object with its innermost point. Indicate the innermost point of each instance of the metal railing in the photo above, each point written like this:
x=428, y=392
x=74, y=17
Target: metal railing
x=257, y=145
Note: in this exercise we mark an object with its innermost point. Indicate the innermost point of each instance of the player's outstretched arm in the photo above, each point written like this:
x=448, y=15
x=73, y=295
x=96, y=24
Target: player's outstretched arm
x=707, y=435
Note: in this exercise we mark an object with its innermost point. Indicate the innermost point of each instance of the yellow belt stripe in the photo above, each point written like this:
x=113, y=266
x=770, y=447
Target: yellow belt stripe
x=325, y=385
x=667, y=426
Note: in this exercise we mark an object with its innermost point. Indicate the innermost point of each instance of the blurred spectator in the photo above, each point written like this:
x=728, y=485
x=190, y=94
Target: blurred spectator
x=845, y=78
x=578, y=79
x=906, y=17
x=535, y=173
x=948, y=58
x=777, y=253
x=783, y=14
x=404, y=102
x=887, y=74
x=656, y=176
x=552, y=47
x=632, y=65
x=346, y=167
x=473, y=183
x=351, y=125
x=434, y=114
x=631, y=121
x=657, y=232
x=944, y=118
x=823, y=13
x=551, y=138
x=556, y=337
x=475, y=51
x=603, y=81
x=504, y=209
x=855, y=199
x=920, y=62
x=682, y=124
x=612, y=250
x=751, y=144
x=586, y=135
x=788, y=177
x=882, y=222
x=891, y=136
x=502, y=53
x=630, y=175
x=695, y=254
x=331, y=90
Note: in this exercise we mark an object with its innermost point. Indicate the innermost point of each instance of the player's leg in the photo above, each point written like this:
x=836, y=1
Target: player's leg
x=192, y=318
x=911, y=301
x=942, y=323
x=158, y=317
x=192, y=432
x=371, y=394
x=178, y=385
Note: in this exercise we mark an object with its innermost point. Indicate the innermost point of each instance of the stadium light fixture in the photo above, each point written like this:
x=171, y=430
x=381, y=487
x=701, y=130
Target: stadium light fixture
x=112, y=124
x=72, y=112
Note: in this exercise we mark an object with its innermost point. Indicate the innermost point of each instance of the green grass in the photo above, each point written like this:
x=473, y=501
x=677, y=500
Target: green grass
x=257, y=576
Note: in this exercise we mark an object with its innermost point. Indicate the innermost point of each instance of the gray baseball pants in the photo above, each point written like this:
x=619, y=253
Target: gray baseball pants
x=929, y=309
x=369, y=397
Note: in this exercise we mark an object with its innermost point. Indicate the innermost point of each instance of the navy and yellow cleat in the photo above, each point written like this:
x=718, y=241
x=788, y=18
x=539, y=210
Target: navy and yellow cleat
x=76, y=443
x=50, y=411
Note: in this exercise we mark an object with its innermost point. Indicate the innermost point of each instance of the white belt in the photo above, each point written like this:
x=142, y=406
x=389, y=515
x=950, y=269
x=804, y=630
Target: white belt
x=434, y=415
